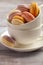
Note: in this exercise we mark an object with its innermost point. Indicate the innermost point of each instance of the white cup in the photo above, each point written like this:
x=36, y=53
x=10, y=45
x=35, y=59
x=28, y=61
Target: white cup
x=26, y=33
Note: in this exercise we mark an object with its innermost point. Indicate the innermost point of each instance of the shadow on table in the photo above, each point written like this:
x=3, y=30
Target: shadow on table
x=16, y=54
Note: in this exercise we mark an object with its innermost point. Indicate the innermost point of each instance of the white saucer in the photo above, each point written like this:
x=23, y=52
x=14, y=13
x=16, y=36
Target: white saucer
x=34, y=46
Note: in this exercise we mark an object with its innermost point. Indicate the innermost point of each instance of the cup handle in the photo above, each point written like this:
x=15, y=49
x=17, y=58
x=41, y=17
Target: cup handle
x=41, y=6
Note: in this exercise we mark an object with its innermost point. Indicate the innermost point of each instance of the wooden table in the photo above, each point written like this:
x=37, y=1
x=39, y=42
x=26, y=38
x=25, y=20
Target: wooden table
x=9, y=57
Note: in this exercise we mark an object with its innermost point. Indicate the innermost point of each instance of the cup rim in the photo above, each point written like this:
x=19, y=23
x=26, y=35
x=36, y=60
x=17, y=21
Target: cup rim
x=24, y=23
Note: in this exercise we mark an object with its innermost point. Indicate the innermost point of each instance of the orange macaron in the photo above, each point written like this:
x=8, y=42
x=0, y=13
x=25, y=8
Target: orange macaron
x=34, y=9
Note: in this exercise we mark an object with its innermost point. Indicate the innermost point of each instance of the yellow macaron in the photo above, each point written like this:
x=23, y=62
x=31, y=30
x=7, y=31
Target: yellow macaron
x=17, y=20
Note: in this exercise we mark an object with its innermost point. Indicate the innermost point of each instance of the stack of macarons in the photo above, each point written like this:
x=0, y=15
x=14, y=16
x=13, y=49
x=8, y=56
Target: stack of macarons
x=24, y=14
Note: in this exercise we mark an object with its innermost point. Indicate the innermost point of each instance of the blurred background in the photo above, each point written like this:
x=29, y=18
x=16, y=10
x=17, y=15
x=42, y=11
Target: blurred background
x=20, y=1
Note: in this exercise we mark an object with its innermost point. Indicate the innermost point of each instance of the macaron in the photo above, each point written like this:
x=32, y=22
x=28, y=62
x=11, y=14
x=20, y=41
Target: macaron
x=17, y=20
x=12, y=13
x=8, y=41
x=34, y=9
x=23, y=8
x=27, y=16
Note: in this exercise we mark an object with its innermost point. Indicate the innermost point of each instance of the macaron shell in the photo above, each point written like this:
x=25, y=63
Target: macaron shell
x=34, y=9
x=18, y=17
x=8, y=42
x=28, y=16
x=22, y=8
x=17, y=21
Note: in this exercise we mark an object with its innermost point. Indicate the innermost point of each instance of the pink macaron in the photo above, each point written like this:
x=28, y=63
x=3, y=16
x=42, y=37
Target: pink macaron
x=23, y=8
x=12, y=14
x=27, y=16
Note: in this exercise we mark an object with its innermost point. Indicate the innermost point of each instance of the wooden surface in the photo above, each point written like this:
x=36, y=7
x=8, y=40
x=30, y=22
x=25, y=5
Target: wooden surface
x=9, y=57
